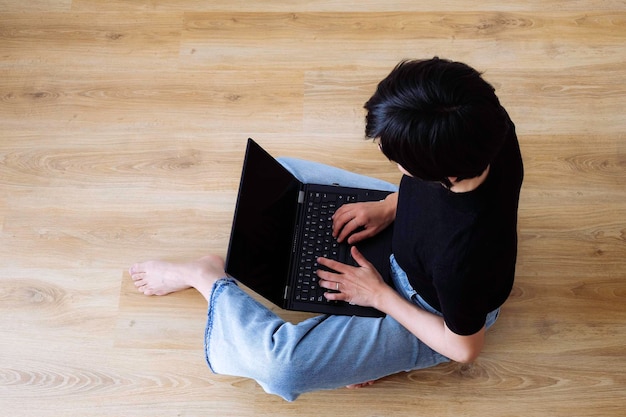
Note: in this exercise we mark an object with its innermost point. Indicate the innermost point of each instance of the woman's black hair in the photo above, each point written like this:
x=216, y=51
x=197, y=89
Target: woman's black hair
x=437, y=119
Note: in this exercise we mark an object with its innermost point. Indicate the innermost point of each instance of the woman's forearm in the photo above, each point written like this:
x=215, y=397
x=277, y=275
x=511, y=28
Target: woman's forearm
x=391, y=202
x=430, y=328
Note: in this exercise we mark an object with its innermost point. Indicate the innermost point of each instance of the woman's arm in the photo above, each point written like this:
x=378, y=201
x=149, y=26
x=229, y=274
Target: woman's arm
x=430, y=328
x=364, y=286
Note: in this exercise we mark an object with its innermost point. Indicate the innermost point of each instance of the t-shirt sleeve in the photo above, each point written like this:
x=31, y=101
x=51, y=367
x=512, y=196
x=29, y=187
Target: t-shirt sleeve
x=463, y=310
x=472, y=283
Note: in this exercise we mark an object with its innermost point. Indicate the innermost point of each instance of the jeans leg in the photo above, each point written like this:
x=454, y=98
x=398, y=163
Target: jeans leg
x=243, y=338
x=316, y=173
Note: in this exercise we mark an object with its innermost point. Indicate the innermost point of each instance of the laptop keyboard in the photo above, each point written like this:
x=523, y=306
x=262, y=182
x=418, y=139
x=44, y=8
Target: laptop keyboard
x=317, y=240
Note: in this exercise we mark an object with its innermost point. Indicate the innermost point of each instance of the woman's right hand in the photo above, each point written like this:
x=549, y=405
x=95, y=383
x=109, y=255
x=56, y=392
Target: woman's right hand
x=359, y=221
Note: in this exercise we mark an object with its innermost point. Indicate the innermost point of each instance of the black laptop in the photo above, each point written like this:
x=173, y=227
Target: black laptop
x=281, y=226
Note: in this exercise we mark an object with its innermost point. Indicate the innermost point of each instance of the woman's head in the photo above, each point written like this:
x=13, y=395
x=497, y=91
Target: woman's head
x=437, y=119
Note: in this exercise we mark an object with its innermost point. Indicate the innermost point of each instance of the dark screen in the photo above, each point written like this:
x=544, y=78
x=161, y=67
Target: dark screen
x=262, y=232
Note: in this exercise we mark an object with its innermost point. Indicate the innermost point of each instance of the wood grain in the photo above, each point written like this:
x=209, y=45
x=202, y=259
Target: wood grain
x=122, y=131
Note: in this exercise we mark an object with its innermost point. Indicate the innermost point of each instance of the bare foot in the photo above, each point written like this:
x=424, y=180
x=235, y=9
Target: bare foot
x=161, y=278
x=362, y=385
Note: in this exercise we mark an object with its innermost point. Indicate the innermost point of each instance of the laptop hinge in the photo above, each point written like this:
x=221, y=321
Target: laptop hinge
x=300, y=197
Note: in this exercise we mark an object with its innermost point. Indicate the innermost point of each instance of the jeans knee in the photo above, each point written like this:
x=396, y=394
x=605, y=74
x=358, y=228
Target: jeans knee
x=285, y=380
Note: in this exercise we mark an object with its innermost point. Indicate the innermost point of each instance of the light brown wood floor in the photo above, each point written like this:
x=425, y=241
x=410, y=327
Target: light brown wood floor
x=122, y=130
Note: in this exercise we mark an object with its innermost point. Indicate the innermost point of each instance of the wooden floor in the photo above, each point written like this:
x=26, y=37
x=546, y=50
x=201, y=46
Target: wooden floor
x=122, y=131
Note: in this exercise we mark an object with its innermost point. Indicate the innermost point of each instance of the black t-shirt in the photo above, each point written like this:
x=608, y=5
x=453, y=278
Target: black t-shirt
x=459, y=249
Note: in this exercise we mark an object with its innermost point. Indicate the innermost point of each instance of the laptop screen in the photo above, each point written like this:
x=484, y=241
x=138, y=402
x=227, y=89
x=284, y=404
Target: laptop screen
x=262, y=232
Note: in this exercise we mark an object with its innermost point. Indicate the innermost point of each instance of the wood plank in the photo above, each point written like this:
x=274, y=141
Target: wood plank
x=122, y=131
x=339, y=6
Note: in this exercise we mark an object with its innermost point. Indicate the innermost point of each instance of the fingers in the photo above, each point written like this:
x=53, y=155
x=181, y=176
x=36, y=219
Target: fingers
x=344, y=223
x=347, y=230
x=341, y=277
x=334, y=288
x=354, y=222
x=340, y=267
x=331, y=264
x=361, y=235
x=333, y=281
x=352, y=284
x=359, y=258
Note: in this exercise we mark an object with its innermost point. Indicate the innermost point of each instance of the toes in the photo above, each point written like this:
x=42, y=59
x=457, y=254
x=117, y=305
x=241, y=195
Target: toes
x=137, y=275
x=136, y=269
x=144, y=289
x=361, y=385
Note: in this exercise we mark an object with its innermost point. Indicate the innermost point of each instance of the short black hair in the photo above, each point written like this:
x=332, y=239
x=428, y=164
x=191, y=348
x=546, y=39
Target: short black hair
x=437, y=119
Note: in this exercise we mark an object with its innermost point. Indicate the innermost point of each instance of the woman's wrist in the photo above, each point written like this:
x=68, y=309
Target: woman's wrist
x=391, y=203
x=385, y=298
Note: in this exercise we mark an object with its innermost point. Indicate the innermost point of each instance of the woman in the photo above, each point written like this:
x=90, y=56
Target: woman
x=454, y=247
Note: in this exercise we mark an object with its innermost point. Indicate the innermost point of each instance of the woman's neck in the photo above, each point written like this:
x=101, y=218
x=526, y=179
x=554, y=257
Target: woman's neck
x=469, y=184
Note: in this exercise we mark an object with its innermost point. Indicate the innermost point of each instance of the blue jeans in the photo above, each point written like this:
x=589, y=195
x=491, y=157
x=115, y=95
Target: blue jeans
x=244, y=338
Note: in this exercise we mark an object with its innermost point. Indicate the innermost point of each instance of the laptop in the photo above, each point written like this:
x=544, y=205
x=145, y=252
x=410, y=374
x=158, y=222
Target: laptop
x=281, y=226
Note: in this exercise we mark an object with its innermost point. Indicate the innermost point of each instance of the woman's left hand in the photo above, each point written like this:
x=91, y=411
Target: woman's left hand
x=361, y=285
